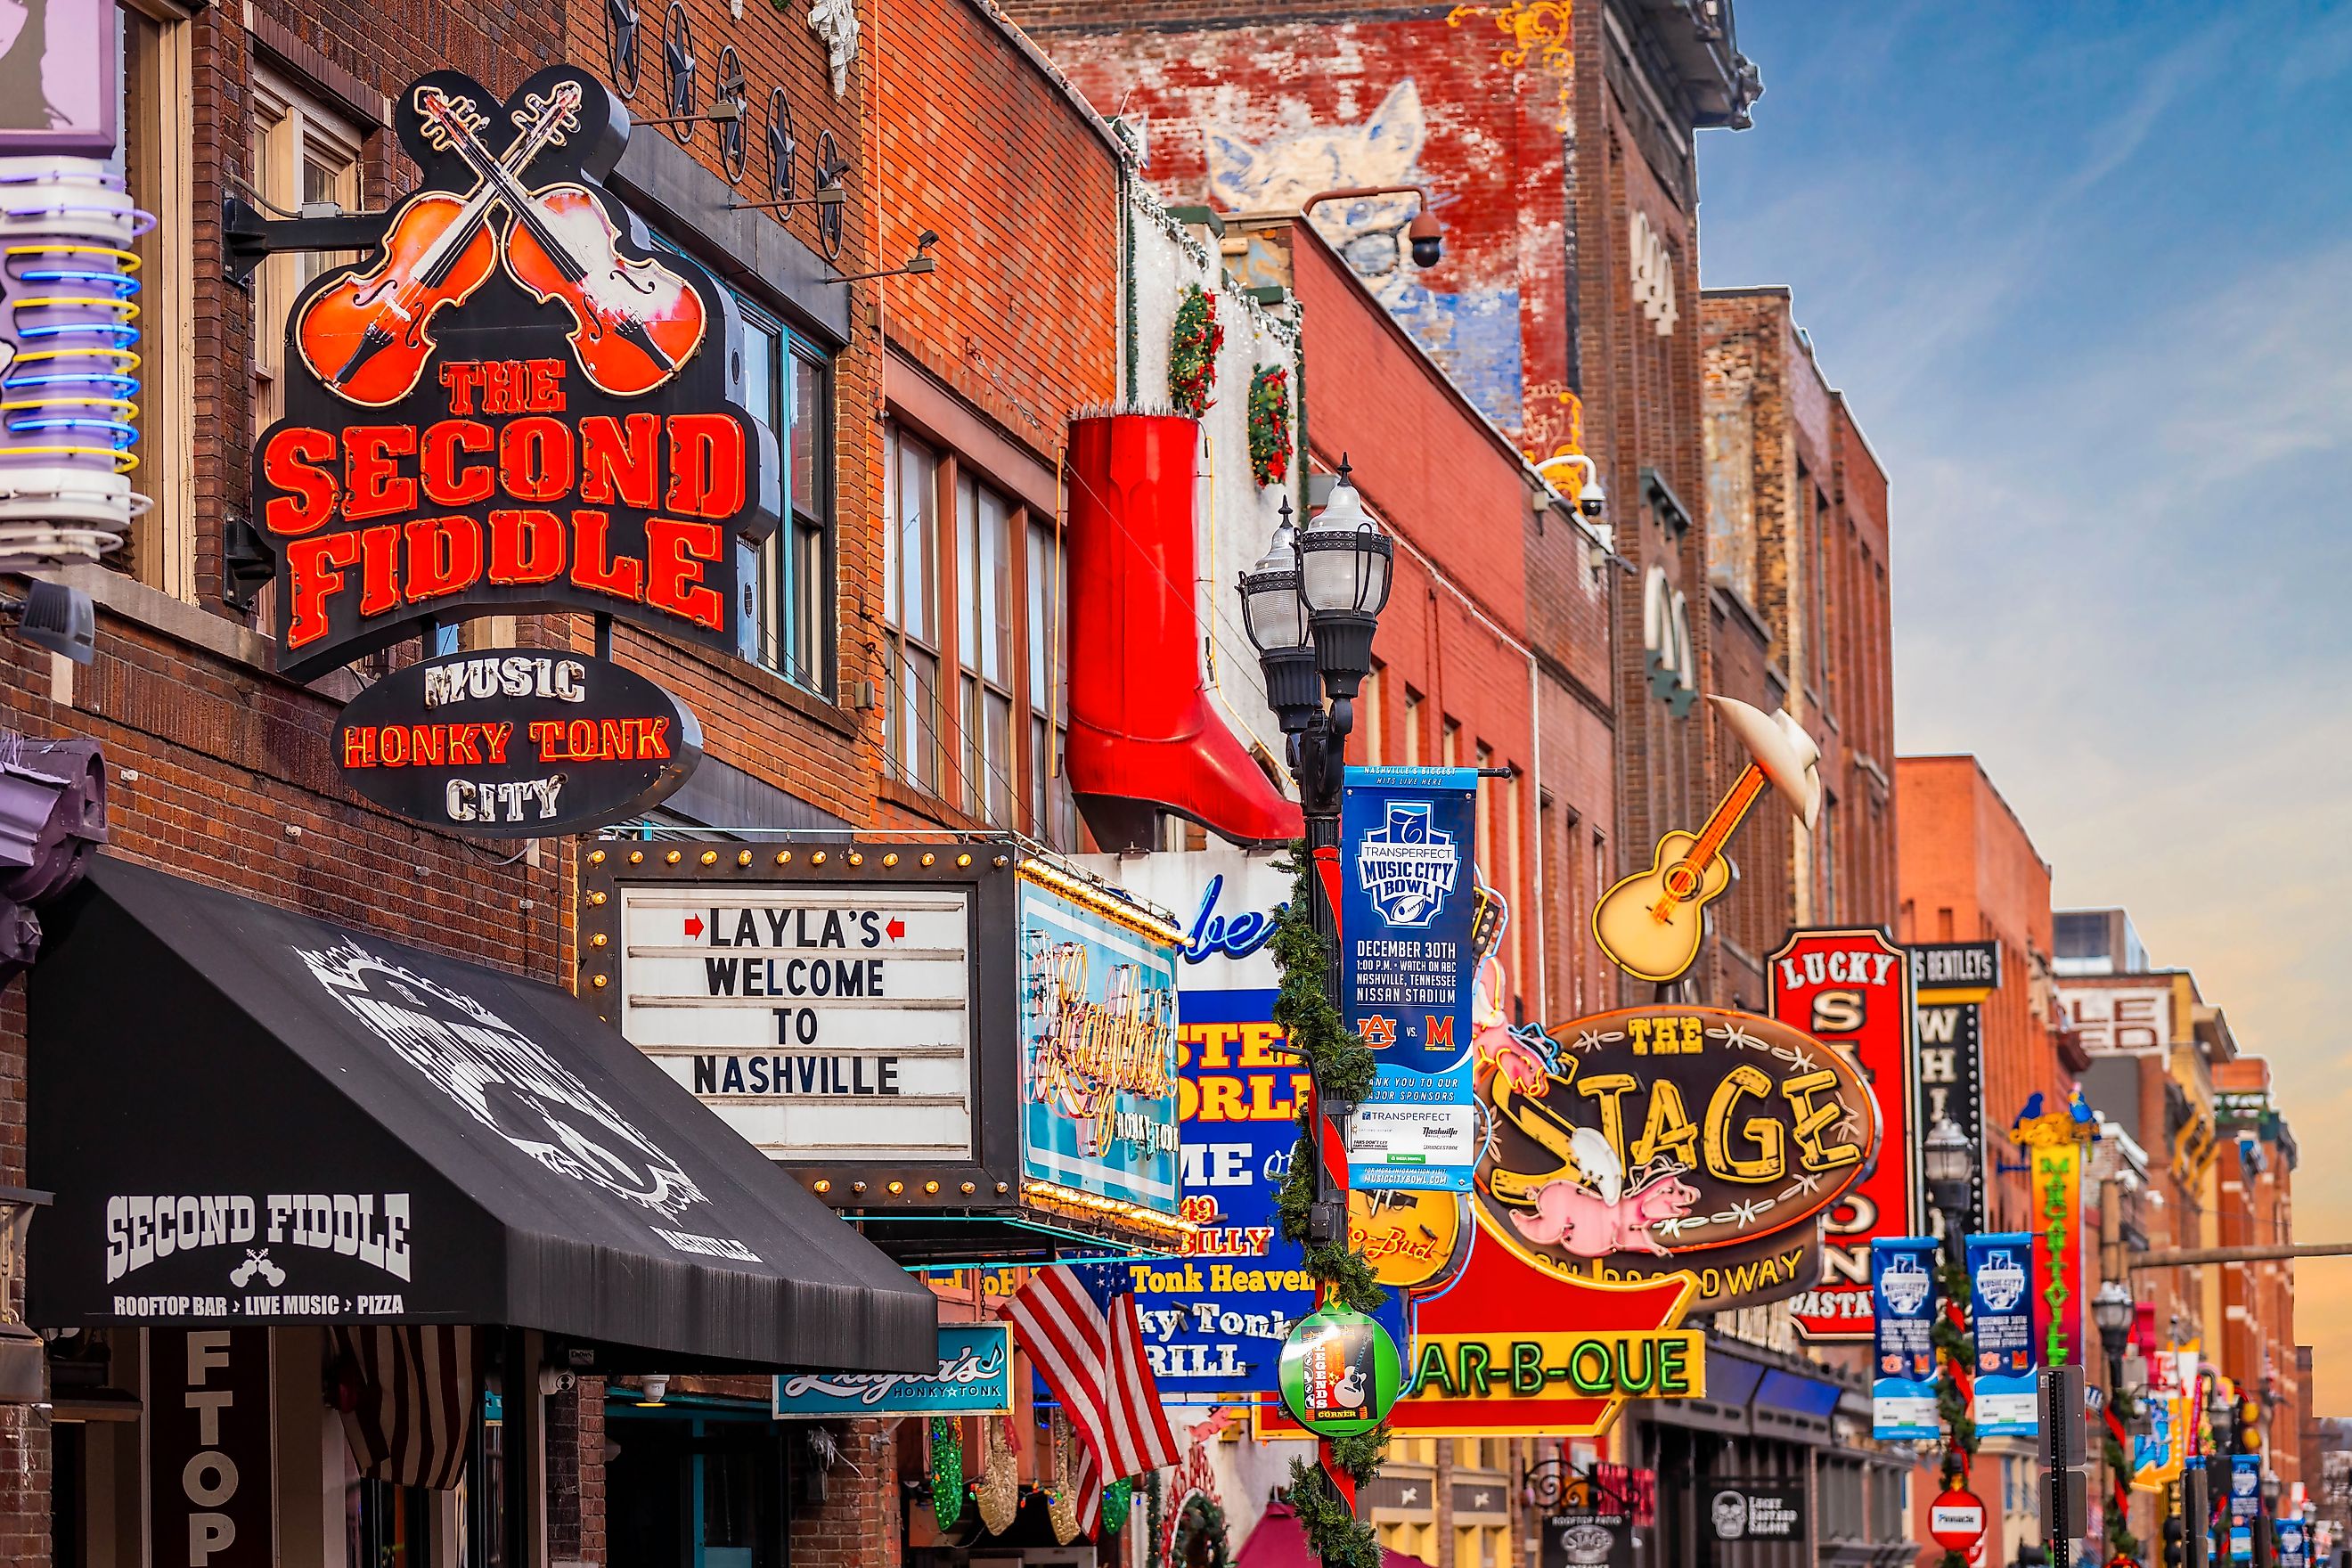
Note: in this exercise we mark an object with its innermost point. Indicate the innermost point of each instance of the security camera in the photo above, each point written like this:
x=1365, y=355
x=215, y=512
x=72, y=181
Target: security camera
x=1428, y=241
x=1591, y=500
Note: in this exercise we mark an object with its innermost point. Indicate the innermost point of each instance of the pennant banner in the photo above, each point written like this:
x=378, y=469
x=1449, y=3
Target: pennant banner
x=1902, y=1297
x=1407, y=969
x=2000, y=1314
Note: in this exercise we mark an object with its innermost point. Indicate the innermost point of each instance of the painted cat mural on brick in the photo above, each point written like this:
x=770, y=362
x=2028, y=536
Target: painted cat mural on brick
x=1473, y=333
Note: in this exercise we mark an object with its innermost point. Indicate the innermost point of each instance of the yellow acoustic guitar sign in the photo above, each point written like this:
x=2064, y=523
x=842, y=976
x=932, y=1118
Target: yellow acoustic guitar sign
x=1650, y=924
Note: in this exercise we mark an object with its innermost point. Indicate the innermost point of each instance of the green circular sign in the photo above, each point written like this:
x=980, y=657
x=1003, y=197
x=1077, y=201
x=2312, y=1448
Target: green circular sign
x=1339, y=1372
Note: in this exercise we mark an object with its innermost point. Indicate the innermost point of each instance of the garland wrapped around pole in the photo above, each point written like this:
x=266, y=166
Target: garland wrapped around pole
x=2123, y=1546
x=1956, y=1359
x=1341, y=1067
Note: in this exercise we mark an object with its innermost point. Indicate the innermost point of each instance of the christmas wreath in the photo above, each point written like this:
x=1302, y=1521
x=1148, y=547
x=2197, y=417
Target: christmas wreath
x=1192, y=352
x=1199, y=1540
x=1269, y=424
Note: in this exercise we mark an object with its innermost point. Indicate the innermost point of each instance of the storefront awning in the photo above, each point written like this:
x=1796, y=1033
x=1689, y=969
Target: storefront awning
x=249, y=1117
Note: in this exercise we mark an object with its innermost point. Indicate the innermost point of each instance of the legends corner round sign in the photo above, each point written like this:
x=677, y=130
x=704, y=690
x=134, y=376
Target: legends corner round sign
x=1339, y=1372
x=1956, y=1519
x=516, y=743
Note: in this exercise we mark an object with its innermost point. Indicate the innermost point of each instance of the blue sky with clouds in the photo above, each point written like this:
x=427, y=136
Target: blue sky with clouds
x=2085, y=271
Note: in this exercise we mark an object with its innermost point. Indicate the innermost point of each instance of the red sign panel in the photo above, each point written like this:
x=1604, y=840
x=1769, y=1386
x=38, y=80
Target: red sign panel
x=1956, y=1519
x=516, y=403
x=1851, y=990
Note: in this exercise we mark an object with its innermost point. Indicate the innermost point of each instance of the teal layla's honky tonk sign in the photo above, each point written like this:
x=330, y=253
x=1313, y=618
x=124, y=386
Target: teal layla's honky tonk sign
x=974, y=1378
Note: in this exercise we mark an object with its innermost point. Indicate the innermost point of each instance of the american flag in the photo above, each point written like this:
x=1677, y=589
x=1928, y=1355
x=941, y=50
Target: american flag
x=1078, y=1323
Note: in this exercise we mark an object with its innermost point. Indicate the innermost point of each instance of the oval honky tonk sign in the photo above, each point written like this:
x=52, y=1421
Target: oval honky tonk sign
x=1668, y=1130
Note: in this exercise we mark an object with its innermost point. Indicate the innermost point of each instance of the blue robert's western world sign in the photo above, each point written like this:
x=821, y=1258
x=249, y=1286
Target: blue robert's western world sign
x=1214, y=1319
x=1409, y=902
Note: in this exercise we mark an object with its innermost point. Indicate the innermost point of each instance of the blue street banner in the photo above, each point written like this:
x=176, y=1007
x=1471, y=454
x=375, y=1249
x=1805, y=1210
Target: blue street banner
x=1903, y=1365
x=2000, y=1316
x=1409, y=899
x=2293, y=1544
x=974, y=1378
x=2245, y=1503
x=1098, y=1052
x=2245, y=1490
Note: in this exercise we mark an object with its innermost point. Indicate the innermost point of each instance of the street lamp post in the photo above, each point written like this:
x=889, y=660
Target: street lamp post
x=2112, y=1313
x=2220, y=1411
x=1311, y=605
x=1949, y=1161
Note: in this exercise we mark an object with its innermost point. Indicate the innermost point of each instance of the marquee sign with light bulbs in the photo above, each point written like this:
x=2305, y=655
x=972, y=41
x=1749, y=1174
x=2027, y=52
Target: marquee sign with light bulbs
x=915, y=1029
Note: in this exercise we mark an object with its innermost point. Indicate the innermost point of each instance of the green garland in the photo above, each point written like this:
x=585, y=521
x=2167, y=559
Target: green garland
x=2121, y=1542
x=1192, y=352
x=1269, y=425
x=946, y=1472
x=1342, y=1065
x=1958, y=1349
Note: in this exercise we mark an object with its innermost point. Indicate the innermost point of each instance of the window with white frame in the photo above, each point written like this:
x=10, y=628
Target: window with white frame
x=787, y=619
x=973, y=585
x=910, y=607
x=302, y=155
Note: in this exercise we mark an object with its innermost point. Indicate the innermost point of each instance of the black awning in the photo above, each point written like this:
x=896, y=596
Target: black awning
x=248, y=1116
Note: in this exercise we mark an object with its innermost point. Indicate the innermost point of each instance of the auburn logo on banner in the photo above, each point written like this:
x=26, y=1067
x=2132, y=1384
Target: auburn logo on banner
x=516, y=403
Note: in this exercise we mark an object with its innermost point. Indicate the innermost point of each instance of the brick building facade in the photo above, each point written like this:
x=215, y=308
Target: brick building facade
x=1556, y=148
x=220, y=769
x=2256, y=1208
x=1797, y=522
x=1970, y=872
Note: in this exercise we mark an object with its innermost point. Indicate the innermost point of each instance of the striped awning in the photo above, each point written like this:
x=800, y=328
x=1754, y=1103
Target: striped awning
x=407, y=1394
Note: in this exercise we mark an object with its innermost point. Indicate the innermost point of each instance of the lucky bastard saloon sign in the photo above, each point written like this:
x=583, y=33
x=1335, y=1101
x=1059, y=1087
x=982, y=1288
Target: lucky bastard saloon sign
x=515, y=403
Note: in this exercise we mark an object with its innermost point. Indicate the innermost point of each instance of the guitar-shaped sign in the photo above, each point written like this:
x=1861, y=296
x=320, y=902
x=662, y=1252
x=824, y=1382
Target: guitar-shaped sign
x=1650, y=924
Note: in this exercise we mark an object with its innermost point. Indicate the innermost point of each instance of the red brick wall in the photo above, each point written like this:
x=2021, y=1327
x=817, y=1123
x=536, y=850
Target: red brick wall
x=1800, y=531
x=1248, y=110
x=1454, y=629
x=1442, y=479
x=1962, y=849
x=1244, y=108
x=982, y=145
x=860, y=1524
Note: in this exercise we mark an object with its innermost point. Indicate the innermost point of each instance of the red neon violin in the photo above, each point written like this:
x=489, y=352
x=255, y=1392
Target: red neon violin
x=370, y=335
x=636, y=321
